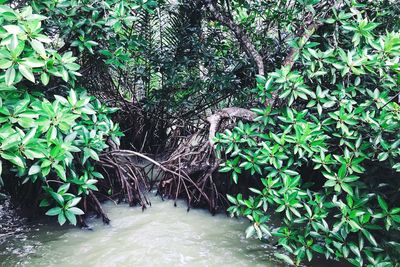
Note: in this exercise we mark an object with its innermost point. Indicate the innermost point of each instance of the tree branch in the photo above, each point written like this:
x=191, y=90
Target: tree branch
x=290, y=57
x=216, y=119
x=240, y=34
x=311, y=26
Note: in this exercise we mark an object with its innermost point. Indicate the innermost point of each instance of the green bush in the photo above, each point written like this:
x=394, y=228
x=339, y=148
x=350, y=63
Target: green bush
x=52, y=142
x=327, y=156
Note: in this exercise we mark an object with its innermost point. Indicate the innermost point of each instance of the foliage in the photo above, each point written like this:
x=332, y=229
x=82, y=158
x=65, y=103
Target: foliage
x=326, y=157
x=51, y=142
x=161, y=58
x=105, y=27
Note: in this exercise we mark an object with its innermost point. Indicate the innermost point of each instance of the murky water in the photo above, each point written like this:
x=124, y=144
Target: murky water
x=162, y=235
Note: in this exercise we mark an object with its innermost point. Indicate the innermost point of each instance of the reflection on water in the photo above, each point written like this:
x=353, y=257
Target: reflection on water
x=160, y=236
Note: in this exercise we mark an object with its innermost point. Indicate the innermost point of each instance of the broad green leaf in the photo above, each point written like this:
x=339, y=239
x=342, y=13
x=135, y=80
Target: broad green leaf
x=39, y=48
x=13, y=158
x=71, y=217
x=5, y=63
x=231, y=199
x=33, y=63
x=76, y=211
x=26, y=72
x=28, y=137
x=54, y=211
x=13, y=29
x=285, y=258
x=34, y=169
x=382, y=203
x=44, y=78
x=61, y=218
x=10, y=76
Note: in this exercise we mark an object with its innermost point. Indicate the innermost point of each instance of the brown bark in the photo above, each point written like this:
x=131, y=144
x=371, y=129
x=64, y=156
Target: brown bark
x=99, y=208
x=240, y=34
x=226, y=113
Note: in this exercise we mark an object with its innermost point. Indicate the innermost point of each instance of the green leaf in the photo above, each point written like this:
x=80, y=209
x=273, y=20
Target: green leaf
x=38, y=47
x=235, y=177
x=291, y=172
x=63, y=189
x=44, y=78
x=26, y=72
x=58, y=198
x=250, y=231
x=13, y=29
x=10, y=76
x=382, y=203
x=60, y=172
x=71, y=217
x=34, y=169
x=61, y=218
x=44, y=203
x=383, y=156
x=13, y=158
x=225, y=169
x=370, y=237
x=231, y=199
x=5, y=63
x=285, y=258
x=330, y=183
x=51, y=134
x=72, y=97
x=347, y=188
x=73, y=202
x=76, y=211
x=342, y=171
x=318, y=248
x=28, y=137
x=33, y=62
x=54, y=211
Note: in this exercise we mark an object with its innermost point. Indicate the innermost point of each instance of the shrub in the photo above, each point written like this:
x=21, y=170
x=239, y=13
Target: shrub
x=53, y=142
x=327, y=156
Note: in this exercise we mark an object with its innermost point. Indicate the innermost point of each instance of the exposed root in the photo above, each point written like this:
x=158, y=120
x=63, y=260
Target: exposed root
x=99, y=208
x=227, y=113
x=194, y=174
x=131, y=177
x=194, y=166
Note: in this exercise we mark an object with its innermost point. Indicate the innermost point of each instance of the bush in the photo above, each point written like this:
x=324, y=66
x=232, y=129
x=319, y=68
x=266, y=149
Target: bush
x=327, y=155
x=52, y=142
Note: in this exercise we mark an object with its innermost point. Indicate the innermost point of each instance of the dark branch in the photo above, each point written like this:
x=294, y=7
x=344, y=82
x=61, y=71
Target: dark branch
x=240, y=34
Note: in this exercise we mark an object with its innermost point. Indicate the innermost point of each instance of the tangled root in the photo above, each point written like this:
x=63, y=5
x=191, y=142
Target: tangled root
x=189, y=172
x=131, y=183
x=194, y=165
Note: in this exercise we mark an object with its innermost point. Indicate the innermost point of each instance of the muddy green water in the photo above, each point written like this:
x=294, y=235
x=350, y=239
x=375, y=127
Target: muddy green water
x=162, y=235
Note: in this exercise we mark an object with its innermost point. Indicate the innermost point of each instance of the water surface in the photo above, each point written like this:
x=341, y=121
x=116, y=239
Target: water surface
x=162, y=235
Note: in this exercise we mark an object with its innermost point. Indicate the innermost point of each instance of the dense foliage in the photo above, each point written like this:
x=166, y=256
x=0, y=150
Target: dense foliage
x=159, y=61
x=327, y=155
x=54, y=142
x=321, y=154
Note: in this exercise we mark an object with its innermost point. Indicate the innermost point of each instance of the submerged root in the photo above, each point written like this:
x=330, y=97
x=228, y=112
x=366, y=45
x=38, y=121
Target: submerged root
x=99, y=208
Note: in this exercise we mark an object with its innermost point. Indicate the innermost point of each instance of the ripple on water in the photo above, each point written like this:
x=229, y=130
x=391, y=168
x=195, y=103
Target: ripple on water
x=162, y=235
